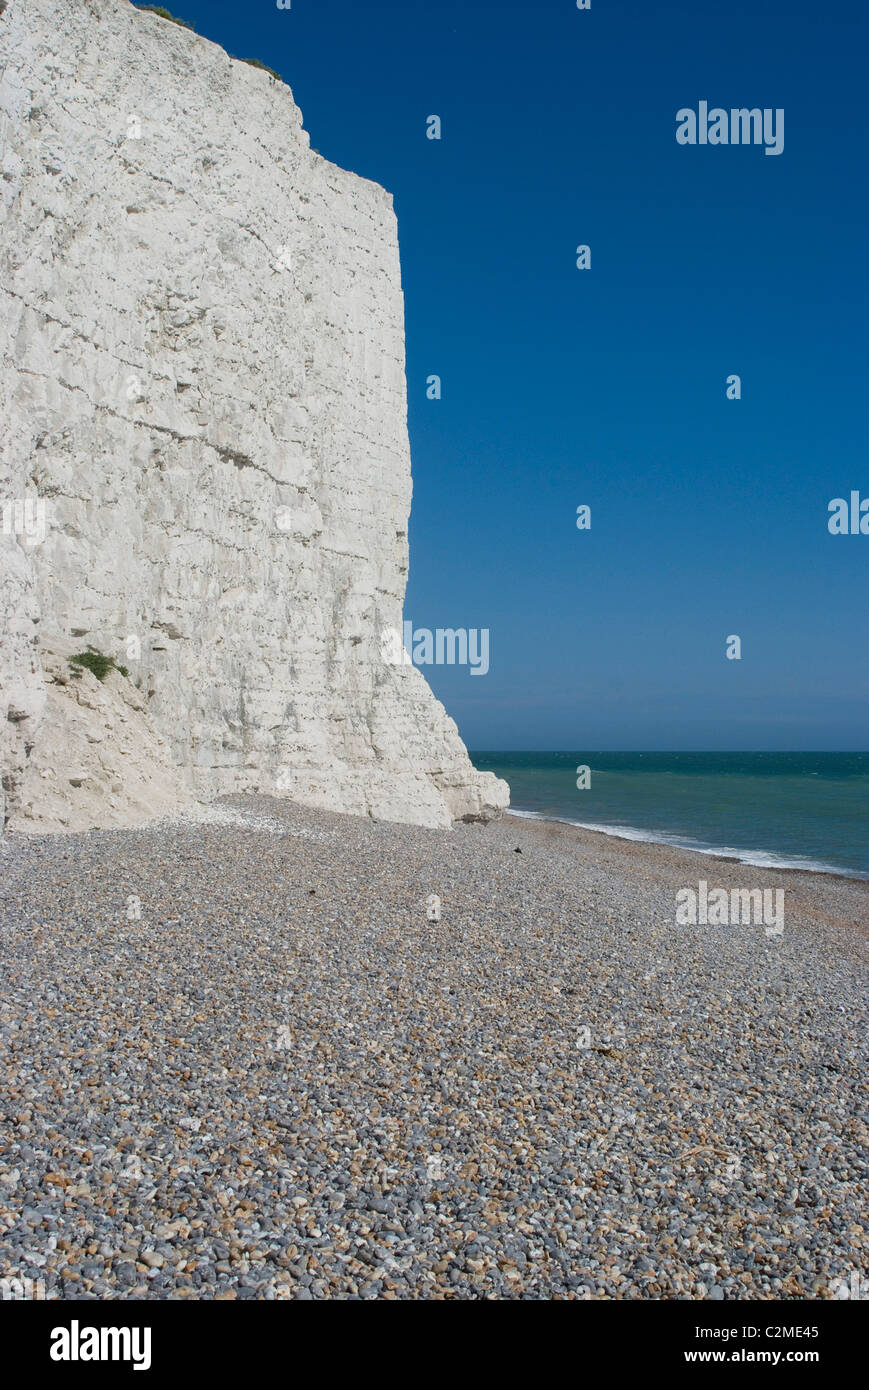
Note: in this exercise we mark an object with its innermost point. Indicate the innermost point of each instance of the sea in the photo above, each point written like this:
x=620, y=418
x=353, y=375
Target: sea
x=778, y=810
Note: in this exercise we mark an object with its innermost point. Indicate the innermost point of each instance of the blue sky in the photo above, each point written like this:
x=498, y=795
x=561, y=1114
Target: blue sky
x=607, y=386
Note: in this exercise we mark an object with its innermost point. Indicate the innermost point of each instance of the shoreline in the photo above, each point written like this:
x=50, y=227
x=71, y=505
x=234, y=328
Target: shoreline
x=647, y=838
x=832, y=899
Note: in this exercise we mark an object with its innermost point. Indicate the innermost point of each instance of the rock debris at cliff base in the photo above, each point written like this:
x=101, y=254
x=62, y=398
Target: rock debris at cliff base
x=239, y=1062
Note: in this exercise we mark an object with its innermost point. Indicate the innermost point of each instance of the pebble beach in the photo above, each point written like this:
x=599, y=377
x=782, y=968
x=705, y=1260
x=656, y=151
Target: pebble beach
x=238, y=1060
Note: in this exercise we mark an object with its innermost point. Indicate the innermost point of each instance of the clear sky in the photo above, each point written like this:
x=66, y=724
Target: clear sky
x=606, y=386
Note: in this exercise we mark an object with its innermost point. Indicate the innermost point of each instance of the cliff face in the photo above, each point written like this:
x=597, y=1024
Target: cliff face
x=202, y=381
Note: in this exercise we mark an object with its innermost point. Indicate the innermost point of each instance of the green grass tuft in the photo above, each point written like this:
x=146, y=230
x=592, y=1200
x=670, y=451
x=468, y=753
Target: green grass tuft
x=97, y=664
x=164, y=14
x=255, y=63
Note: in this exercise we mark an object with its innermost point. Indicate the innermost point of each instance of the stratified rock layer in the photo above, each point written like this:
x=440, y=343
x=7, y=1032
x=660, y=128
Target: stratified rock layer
x=202, y=378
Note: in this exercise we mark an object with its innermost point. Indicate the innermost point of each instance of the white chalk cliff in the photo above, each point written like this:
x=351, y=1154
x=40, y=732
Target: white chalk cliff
x=202, y=381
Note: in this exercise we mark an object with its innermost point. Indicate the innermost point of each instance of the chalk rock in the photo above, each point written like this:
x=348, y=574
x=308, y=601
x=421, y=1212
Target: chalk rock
x=97, y=761
x=202, y=380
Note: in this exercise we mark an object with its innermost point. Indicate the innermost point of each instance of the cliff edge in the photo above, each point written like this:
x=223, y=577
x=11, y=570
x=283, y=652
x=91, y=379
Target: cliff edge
x=205, y=469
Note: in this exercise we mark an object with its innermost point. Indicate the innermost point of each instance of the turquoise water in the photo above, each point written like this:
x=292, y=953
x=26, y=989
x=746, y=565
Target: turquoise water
x=787, y=810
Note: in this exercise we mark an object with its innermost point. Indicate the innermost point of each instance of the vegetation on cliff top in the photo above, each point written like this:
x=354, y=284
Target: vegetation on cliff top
x=255, y=63
x=164, y=14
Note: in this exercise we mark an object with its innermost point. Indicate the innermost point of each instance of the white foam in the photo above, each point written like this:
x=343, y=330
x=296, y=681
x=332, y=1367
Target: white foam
x=759, y=858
